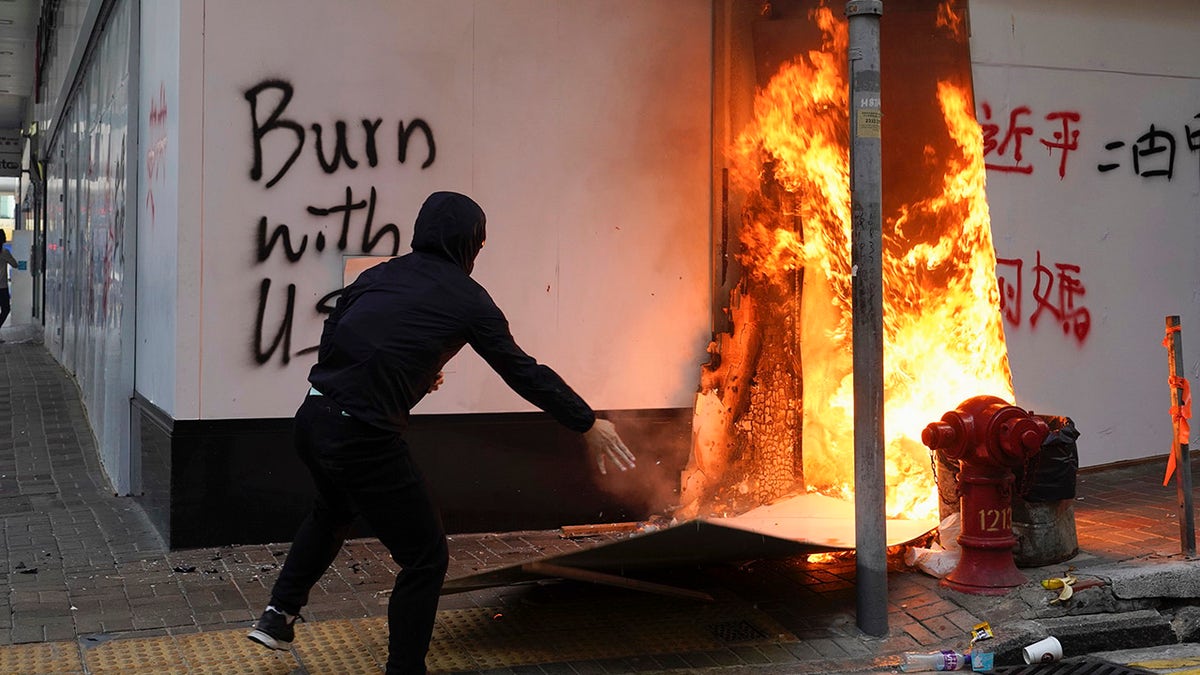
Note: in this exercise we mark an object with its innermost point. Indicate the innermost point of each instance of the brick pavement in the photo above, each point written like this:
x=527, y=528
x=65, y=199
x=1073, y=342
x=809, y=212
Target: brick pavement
x=1125, y=512
x=82, y=566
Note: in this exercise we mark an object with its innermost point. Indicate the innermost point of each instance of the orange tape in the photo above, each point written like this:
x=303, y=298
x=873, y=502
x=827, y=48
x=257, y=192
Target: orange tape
x=1180, y=414
x=1167, y=337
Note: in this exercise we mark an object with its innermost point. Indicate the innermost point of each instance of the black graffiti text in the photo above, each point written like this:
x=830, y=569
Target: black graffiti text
x=267, y=239
x=283, y=336
x=332, y=150
x=281, y=341
x=370, y=238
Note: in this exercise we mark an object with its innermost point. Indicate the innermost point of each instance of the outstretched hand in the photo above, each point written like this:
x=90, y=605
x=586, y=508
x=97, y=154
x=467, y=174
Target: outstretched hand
x=603, y=443
x=437, y=382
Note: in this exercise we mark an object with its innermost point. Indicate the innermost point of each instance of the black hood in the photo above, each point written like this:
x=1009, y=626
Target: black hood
x=450, y=225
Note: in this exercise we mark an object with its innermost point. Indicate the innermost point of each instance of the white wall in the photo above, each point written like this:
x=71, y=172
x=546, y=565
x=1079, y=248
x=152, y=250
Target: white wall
x=1131, y=241
x=582, y=129
x=158, y=214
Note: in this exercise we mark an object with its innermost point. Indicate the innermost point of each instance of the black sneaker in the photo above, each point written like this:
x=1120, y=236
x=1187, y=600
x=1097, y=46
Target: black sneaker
x=274, y=629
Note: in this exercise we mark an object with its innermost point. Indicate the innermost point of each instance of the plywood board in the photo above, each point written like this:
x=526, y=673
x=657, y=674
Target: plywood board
x=798, y=525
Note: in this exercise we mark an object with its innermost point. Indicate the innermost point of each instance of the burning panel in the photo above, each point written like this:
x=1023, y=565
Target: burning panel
x=799, y=525
x=774, y=414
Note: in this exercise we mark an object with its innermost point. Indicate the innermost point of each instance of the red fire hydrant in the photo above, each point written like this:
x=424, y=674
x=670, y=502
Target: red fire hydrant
x=988, y=438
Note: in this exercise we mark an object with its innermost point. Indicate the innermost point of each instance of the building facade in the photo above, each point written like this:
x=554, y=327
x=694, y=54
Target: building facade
x=214, y=171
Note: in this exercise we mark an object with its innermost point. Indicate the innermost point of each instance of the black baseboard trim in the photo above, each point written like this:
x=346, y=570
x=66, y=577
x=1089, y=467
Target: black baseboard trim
x=237, y=481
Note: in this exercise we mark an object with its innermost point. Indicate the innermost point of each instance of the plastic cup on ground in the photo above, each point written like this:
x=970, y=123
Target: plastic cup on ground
x=1043, y=651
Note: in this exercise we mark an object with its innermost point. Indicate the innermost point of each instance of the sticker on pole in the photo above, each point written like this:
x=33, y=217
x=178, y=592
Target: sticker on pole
x=866, y=121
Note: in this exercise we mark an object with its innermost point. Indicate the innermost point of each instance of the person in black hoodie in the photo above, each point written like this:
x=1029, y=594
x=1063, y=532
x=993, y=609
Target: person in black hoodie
x=382, y=349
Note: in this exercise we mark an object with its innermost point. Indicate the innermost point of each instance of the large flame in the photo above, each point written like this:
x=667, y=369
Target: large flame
x=944, y=341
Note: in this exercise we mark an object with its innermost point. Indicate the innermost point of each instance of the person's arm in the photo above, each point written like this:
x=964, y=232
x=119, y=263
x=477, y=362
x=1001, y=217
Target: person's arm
x=491, y=338
x=7, y=257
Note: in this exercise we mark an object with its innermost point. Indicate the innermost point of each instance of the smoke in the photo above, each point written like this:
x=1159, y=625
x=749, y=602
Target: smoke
x=661, y=441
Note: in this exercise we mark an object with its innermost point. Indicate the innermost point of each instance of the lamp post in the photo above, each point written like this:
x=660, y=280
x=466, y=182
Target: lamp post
x=866, y=252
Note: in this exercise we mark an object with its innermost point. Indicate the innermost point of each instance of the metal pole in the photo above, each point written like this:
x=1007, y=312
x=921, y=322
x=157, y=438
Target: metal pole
x=866, y=256
x=1179, y=446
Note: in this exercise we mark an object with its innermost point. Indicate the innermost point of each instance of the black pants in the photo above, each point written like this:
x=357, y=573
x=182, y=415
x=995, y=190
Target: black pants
x=5, y=299
x=360, y=469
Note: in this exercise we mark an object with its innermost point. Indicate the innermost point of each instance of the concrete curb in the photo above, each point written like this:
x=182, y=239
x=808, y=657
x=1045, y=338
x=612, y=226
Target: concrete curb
x=1084, y=634
x=1167, y=658
x=1175, y=579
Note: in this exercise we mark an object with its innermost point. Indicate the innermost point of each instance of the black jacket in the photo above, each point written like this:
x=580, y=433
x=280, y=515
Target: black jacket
x=398, y=324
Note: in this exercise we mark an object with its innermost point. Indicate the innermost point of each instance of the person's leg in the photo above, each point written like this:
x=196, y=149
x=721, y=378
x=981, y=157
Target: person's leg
x=313, y=550
x=324, y=530
x=395, y=501
x=5, y=300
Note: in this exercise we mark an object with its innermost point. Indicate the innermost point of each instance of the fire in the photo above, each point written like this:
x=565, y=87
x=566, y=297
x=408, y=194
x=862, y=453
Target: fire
x=951, y=20
x=828, y=558
x=944, y=341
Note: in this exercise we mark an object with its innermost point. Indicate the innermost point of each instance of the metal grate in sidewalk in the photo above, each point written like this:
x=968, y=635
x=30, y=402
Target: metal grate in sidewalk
x=1082, y=666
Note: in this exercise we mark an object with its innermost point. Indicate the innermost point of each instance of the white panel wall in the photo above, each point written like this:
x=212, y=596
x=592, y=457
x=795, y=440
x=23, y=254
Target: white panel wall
x=1100, y=248
x=581, y=128
x=88, y=284
x=158, y=203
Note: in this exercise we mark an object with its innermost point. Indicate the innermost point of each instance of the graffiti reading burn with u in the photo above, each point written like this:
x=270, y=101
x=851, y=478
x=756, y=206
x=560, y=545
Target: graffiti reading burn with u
x=341, y=154
x=278, y=141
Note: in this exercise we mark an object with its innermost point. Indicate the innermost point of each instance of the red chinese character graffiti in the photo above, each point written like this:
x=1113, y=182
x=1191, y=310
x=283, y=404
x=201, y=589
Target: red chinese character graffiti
x=1065, y=140
x=1010, y=291
x=1014, y=134
x=156, y=152
x=1074, y=319
x=1064, y=305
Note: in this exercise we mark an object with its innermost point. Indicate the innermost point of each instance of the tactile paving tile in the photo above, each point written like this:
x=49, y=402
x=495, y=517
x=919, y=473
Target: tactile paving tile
x=225, y=652
x=334, y=648
x=374, y=633
x=141, y=656
x=59, y=658
x=477, y=638
x=446, y=655
x=496, y=644
x=700, y=630
x=491, y=638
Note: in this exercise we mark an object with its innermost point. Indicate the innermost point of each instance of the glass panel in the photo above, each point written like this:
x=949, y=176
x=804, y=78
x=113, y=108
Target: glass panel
x=85, y=233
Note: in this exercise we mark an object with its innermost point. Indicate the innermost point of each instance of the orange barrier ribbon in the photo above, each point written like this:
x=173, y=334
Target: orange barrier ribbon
x=1180, y=414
